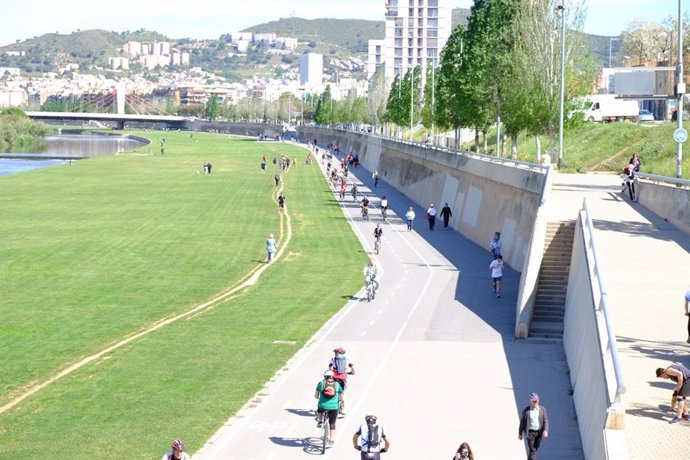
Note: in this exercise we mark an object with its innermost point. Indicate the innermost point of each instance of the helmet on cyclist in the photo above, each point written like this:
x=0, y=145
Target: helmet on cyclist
x=177, y=444
x=370, y=418
x=339, y=350
x=328, y=373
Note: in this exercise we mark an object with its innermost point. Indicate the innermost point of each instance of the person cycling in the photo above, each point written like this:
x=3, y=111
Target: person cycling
x=378, y=233
x=176, y=451
x=328, y=392
x=370, y=271
x=370, y=436
x=384, y=206
x=354, y=192
x=341, y=368
x=365, y=208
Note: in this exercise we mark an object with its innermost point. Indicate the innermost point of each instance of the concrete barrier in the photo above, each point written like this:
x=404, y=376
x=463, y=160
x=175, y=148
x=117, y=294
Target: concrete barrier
x=666, y=197
x=486, y=194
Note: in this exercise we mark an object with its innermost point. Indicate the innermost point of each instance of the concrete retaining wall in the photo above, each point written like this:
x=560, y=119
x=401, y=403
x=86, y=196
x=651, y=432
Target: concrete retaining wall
x=486, y=194
x=670, y=201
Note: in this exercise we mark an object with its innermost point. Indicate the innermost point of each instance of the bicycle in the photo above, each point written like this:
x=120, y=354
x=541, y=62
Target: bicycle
x=377, y=245
x=342, y=194
x=325, y=431
x=354, y=193
x=384, y=212
x=369, y=285
x=365, y=213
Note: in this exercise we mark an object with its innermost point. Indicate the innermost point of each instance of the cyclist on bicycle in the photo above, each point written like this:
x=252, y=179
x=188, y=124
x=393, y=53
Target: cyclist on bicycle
x=384, y=206
x=354, y=192
x=328, y=393
x=365, y=207
x=176, y=451
x=341, y=368
x=378, y=233
x=370, y=271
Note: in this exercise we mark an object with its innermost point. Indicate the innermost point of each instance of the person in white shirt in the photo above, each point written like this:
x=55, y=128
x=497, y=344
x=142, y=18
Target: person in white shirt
x=370, y=271
x=431, y=216
x=370, y=439
x=409, y=215
x=496, y=267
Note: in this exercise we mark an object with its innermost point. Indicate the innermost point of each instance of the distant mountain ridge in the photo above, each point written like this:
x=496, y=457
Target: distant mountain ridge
x=336, y=38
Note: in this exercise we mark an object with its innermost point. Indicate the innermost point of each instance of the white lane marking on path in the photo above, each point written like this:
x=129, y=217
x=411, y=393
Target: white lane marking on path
x=371, y=323
x=363, y=333
x=391, y=348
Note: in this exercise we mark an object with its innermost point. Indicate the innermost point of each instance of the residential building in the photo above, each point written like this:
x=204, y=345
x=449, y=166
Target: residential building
x=311, y=70
x=416, y=32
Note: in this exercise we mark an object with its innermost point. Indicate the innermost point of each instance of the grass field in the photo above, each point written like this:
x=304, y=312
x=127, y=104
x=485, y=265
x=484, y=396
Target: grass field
x=107, y=247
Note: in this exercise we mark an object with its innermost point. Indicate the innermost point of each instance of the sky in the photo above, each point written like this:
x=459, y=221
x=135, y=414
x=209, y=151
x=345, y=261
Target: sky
x=24, y=19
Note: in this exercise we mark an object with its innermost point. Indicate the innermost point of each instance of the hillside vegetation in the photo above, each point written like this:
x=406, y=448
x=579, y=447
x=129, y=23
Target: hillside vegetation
x=607, y=147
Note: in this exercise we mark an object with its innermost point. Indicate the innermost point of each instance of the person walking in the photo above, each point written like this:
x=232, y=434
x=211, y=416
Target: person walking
x=271, y=247
x=446, y=214
x=176, y=451
x=681, y=376
x=534, y=423
x=496, y=267
x=496, y=246
x=263, y=166
x=276, y=177
x=629, y=178
x=464, y=452
x=281, y=202
x=375, y=176
x=635, y=161
x=409, y=216
x=431, y=216
x=369, y=437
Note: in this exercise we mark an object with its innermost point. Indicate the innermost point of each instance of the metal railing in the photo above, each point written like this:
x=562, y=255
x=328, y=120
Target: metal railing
x=664, y=180
x=603, y=307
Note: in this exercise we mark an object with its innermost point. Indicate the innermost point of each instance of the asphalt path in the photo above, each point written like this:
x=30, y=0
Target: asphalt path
x=434, y=353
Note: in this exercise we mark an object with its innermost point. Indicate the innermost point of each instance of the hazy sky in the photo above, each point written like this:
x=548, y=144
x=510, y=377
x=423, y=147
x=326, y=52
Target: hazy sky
x=22, y=19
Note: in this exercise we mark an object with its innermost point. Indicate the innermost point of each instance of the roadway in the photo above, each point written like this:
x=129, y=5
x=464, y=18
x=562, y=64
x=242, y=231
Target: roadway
x=435, y=355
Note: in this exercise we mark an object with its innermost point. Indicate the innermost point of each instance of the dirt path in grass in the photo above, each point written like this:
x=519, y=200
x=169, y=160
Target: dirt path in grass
x=249, y=279
x=615, y=156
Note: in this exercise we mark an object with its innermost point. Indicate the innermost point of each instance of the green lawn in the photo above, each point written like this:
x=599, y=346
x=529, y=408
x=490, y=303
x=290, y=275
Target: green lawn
x=104, y=248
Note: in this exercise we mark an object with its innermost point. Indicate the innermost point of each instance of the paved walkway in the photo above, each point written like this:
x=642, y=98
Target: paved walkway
x=435, y=354
x=646, y=265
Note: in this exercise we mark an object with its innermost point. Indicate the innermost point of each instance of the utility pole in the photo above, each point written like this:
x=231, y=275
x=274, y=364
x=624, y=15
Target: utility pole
x=680, y=90
x=433, y=98
x=561, y=8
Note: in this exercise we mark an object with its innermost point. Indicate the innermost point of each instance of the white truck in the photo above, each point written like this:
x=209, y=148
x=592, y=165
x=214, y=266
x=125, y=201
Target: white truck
x=606, y=107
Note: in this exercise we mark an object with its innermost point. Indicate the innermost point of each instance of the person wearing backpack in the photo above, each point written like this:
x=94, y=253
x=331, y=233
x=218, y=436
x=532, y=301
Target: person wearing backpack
x=328, y=393
x=368, y=439
x=341, y=368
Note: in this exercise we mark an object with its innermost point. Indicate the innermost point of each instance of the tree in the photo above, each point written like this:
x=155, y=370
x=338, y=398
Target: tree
x=212, y=110
x=378, y=95
x=324, y=108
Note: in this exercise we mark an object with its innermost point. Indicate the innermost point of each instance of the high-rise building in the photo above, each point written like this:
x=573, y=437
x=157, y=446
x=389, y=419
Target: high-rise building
x=311, y=70
x=416, y=32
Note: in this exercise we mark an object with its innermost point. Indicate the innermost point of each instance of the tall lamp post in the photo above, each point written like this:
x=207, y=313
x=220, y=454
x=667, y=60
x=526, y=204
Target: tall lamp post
x=680, y=90
x=561, y=10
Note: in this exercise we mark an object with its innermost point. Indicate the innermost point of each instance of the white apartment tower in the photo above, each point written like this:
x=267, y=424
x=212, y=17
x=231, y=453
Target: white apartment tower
x=311, y=70
x=416, y=32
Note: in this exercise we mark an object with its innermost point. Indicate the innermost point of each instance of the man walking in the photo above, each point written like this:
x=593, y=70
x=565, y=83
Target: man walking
x=446, y=213
x=431, y=216
x=409, y=216
x=535, y=424
x=271, y=247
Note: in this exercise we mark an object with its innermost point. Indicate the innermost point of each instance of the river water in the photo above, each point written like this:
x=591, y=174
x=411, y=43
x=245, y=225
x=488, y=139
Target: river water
x=68, y=145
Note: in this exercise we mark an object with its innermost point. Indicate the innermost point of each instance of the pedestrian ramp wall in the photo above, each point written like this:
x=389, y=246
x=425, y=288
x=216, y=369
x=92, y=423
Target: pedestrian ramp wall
x=667, y=197
x=486, y=194
x=591, y=351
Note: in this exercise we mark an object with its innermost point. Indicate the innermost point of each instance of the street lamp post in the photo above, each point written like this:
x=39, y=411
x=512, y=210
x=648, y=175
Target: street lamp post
x=561, y=9
x=680, y=90
x=411, y=101
x=433, y=98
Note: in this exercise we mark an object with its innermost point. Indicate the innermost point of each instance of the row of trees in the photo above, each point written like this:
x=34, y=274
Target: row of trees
x=644, y=41
x=505, y=64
